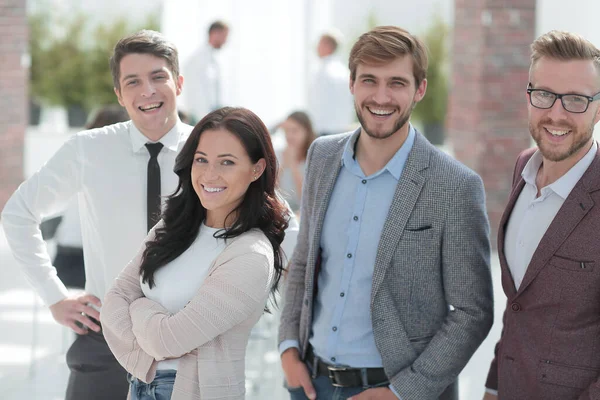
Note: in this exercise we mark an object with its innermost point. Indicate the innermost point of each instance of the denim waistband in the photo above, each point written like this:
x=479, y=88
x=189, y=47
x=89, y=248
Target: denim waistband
x=162, y=376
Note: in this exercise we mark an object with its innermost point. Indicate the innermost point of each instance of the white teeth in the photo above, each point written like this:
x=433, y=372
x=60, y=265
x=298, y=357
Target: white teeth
x=381, y=112
x=213, y=190
x=557, y=133
x=150, y=107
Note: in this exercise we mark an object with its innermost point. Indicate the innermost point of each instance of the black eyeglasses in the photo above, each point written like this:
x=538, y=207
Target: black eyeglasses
x=574, y=103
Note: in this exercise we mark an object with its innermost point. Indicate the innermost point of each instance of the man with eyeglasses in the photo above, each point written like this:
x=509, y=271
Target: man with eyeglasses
x=548, y=237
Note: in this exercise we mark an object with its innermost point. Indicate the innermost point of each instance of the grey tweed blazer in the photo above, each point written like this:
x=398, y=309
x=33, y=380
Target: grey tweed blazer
x=431, y=297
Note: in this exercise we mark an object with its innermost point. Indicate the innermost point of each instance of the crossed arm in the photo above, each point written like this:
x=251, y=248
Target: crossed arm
x=141, y=332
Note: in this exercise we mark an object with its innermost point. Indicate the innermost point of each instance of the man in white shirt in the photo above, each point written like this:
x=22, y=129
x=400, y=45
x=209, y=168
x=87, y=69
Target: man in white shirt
x=203, y=72
x=330, y=102
x=548, y=237
x=107, y=169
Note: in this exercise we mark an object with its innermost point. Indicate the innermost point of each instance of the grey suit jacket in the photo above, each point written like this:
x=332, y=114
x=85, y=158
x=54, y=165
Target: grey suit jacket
x=431, y=297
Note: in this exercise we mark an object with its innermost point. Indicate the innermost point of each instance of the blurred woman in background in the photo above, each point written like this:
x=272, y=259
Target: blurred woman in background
x=299, y=135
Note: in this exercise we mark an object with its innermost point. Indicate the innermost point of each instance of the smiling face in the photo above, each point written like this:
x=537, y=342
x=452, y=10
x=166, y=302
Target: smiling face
x=222, y=171
x=148, y=92
x=559, y=134
x=385, y=95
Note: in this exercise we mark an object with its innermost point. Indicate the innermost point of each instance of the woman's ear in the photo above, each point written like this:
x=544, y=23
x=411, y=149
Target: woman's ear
x=259, y=168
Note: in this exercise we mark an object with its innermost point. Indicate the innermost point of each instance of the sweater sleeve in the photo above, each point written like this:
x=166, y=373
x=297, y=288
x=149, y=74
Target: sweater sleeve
x=233, y=291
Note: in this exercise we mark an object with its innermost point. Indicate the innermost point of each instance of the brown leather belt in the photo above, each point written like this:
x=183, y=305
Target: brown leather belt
x=345, y=376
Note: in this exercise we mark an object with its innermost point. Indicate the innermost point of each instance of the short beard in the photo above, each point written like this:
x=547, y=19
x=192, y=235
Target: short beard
x=557, y=157
x=399, y=124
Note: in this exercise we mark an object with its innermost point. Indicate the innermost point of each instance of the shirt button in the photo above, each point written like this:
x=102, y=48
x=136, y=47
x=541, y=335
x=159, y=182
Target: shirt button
x=349, y=255
x=364, y=181
x=355, y=218
x=342, y=294
x=334, y=328
x=332, y=359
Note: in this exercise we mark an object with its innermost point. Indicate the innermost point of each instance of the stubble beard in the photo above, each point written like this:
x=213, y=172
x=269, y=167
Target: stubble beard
x=579, y=140
x=400, y=122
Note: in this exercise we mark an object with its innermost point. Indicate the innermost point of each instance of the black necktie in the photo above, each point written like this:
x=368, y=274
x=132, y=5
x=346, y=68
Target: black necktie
x=153, y=190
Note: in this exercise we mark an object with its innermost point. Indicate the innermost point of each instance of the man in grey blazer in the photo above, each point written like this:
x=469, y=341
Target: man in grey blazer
x=389, y=290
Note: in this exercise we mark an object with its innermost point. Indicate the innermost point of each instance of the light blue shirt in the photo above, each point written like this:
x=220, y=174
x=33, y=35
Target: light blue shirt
x=342, y=332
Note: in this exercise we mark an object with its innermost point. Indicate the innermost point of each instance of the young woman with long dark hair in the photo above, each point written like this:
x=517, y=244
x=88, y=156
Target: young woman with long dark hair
x=179, y=316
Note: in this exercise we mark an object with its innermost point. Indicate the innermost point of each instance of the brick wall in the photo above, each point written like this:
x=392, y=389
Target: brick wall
x=487, y=116
x=13, y=94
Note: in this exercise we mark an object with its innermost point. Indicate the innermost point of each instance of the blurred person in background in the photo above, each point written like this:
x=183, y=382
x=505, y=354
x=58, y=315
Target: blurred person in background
x=299, y=135
x=119, y=174
x=329, y=98
x=203, y=74
x=179, y=316
x=389, y=291
x=68, y=261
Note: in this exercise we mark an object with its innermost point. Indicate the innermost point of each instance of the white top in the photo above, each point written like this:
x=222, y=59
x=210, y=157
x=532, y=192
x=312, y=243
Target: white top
x=68, y=232
x=531, y=216
x=178, y=282
x=107, y=168
x=202, y=75
x=331, y=105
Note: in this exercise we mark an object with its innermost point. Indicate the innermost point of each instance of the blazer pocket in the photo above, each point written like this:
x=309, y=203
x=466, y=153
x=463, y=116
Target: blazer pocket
x=566, y=375
x=419, y=232
x=571, y=265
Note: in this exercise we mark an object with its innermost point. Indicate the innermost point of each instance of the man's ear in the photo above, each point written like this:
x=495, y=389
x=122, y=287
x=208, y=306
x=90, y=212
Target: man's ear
x=118, y=93
x=421, y=90
x=179, y=84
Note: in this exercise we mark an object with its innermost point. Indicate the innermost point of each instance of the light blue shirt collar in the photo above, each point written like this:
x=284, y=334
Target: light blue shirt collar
x=394, y=166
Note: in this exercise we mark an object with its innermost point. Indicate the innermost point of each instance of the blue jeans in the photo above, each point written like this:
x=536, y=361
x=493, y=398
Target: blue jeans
x=325, y=390
x=160, y=388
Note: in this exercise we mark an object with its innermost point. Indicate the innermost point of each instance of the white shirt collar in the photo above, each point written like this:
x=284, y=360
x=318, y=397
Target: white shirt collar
x=170, y=140
x=565, y=184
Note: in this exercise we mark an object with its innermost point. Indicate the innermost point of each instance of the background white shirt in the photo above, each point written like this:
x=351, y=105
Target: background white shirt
x=331, y=105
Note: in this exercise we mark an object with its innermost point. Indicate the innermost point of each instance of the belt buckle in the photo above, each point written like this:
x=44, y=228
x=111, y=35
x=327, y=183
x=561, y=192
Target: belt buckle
x=332, y=371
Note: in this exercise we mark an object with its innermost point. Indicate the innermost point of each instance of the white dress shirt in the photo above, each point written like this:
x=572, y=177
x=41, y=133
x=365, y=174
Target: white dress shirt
x=202, y=75
x=107, y=169
x=178, y=282
x=531, y=216
x=331, y=105
x=68, y=233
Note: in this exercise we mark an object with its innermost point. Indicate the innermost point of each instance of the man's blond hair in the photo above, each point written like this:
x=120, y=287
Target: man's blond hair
x=564, y=46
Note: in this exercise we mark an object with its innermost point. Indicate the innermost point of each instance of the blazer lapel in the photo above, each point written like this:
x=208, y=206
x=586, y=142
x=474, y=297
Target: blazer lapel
x=326, y=178
x=575, y=207
x=405, y=197
x=507, y=279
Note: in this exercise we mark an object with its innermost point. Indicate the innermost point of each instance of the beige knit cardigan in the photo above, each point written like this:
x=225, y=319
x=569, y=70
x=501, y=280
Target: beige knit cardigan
x=209, y=334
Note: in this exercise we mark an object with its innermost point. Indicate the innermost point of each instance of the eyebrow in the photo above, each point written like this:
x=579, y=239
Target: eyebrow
x=219, y=156
x=156, y=71
x=393, y=78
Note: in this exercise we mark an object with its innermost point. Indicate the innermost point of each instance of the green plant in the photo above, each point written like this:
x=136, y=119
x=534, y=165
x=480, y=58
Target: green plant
x=432, y=108
x=69, y=66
